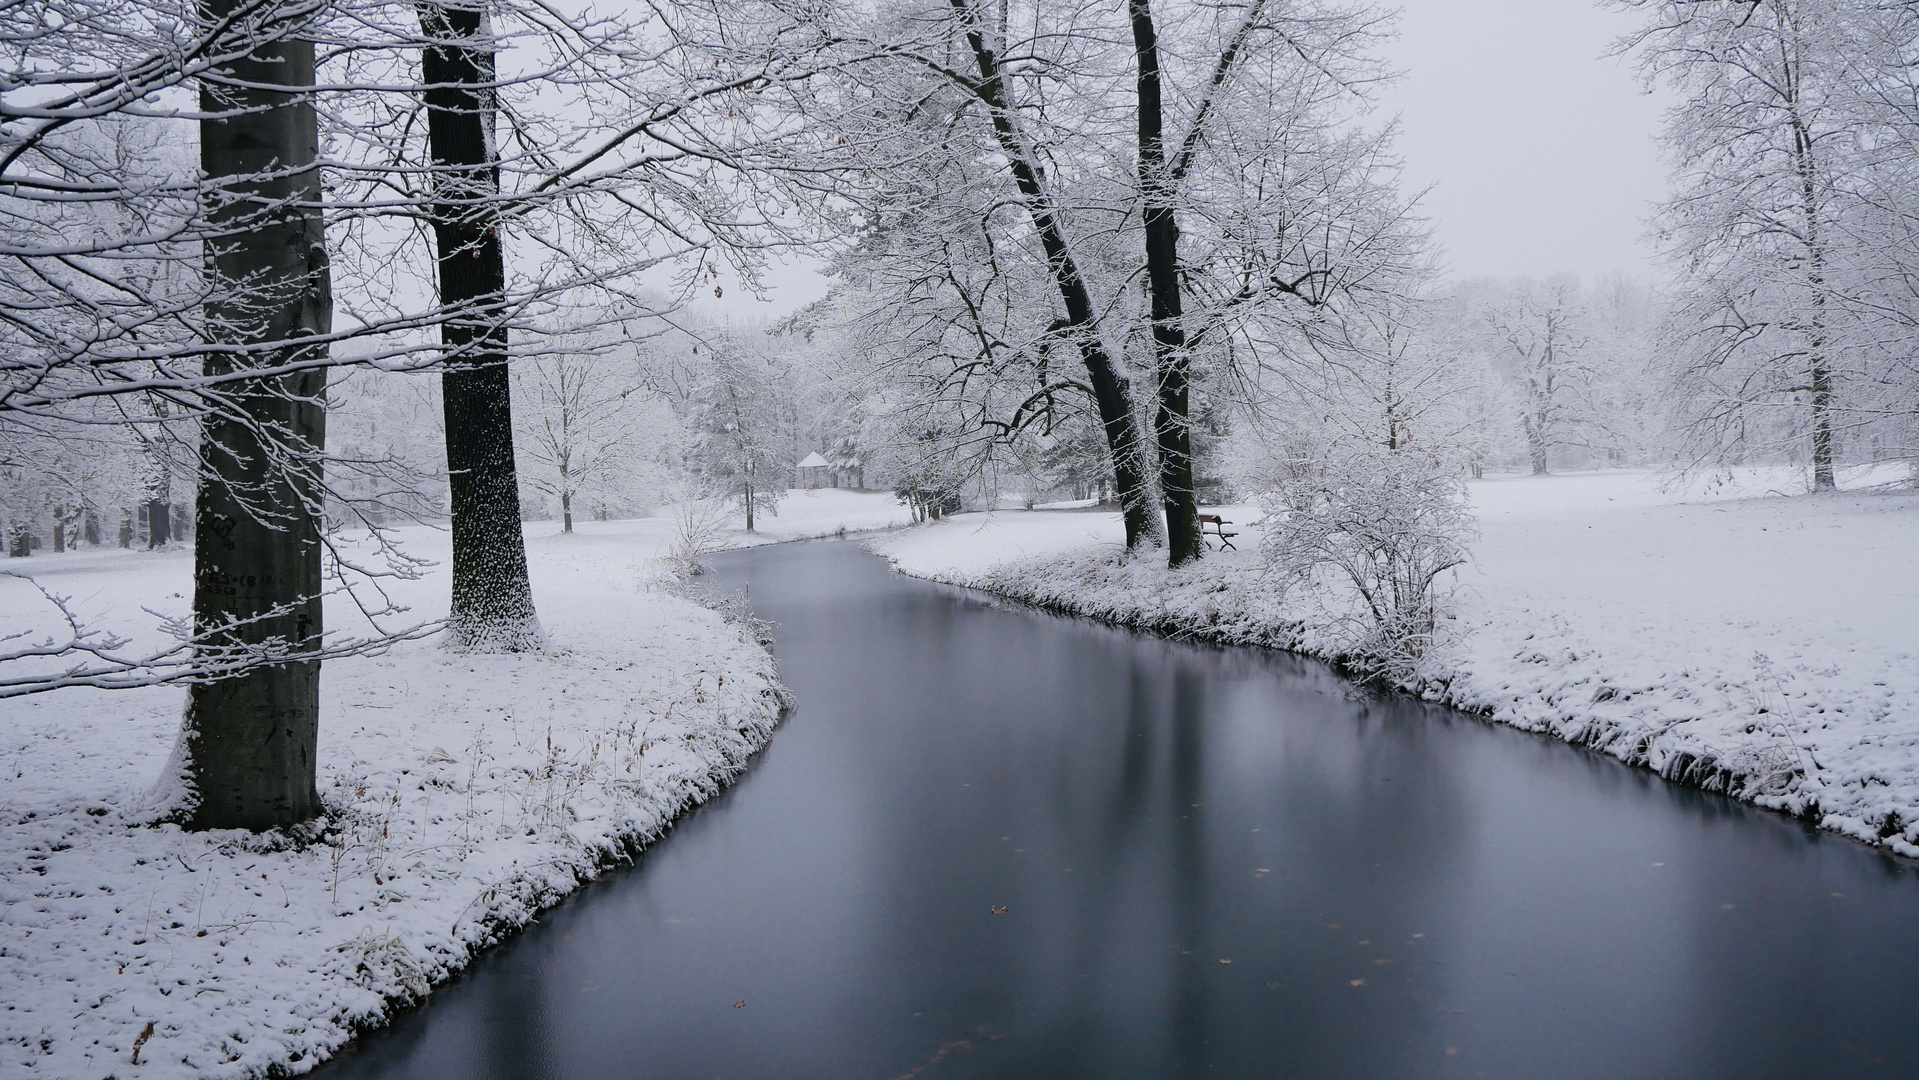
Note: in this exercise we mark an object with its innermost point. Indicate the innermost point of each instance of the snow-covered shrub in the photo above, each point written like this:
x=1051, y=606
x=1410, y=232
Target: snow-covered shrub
x=1288, y=465
x=699, y=529
x=927, y=503
x=1388, y=523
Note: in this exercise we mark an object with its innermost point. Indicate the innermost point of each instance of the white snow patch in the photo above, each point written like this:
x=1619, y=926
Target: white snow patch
x=802, y=515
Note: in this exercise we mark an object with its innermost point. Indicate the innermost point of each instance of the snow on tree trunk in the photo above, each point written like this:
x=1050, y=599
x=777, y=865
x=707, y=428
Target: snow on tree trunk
x=1111, y=391
x=246, y=750
x=1818, y=372
x=492, y=608
x=1171, y=421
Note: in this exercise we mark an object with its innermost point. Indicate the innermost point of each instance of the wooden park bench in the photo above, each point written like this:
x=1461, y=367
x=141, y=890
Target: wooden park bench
x=1219, y=530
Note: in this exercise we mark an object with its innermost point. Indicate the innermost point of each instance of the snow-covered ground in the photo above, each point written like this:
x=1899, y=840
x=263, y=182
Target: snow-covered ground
x=804, y=514
x=465, y=794
x=1720, y=634
x=801, y=515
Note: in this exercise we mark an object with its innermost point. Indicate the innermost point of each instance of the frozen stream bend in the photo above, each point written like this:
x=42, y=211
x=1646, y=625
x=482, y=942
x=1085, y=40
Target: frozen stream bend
x=1212, y=861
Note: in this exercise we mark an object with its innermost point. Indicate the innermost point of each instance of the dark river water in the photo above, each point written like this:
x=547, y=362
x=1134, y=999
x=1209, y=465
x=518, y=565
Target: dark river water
x=994, y=843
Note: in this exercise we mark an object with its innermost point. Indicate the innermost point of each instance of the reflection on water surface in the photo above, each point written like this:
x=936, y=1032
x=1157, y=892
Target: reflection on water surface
x=995, y=843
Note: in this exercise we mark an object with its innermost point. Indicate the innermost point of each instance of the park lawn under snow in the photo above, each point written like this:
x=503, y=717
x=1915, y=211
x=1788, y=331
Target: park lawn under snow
x=1721, y=634
x=464, y=795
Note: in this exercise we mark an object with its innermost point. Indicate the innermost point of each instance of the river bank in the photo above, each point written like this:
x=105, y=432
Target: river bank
x=1757, y=645
x=989, y=842
x=464, y=795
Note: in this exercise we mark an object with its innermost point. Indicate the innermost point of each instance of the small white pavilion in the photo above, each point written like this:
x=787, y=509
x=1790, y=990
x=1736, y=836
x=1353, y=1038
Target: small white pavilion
x=815, y=470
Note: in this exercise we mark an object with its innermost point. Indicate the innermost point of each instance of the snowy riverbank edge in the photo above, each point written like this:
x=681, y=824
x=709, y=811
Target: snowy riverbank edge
x=1764, y=736
x=488, y=790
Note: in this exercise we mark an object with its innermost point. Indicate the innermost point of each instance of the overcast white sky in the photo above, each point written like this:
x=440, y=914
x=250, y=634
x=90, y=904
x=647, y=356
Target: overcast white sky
x=1537, y=147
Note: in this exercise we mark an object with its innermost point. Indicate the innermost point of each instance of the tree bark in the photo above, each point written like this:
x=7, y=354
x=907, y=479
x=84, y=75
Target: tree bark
x=1171, y=416
x=1536, y=444
x=492, y=607
x=247, y=745
x=159, y=523
x=1818, y=371
x=1111, y=392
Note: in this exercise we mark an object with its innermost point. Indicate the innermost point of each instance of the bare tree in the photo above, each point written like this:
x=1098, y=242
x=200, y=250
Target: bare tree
x=732, y=398
x=576, y=424
x=1763, y=145
x=197, y=296
x=1538, y=337
x=1169, y=265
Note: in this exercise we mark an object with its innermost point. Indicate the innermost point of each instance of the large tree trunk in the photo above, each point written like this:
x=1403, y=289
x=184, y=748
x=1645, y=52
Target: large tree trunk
x=1111, y=391
x=492, y=605
x=1171, y=417
x=247, y=746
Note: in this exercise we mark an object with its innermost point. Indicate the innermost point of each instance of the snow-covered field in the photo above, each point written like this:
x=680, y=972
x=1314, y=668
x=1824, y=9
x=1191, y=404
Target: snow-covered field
x=465, y=794
x=1720, y=634
x=804, y=514
x=1761, y=644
